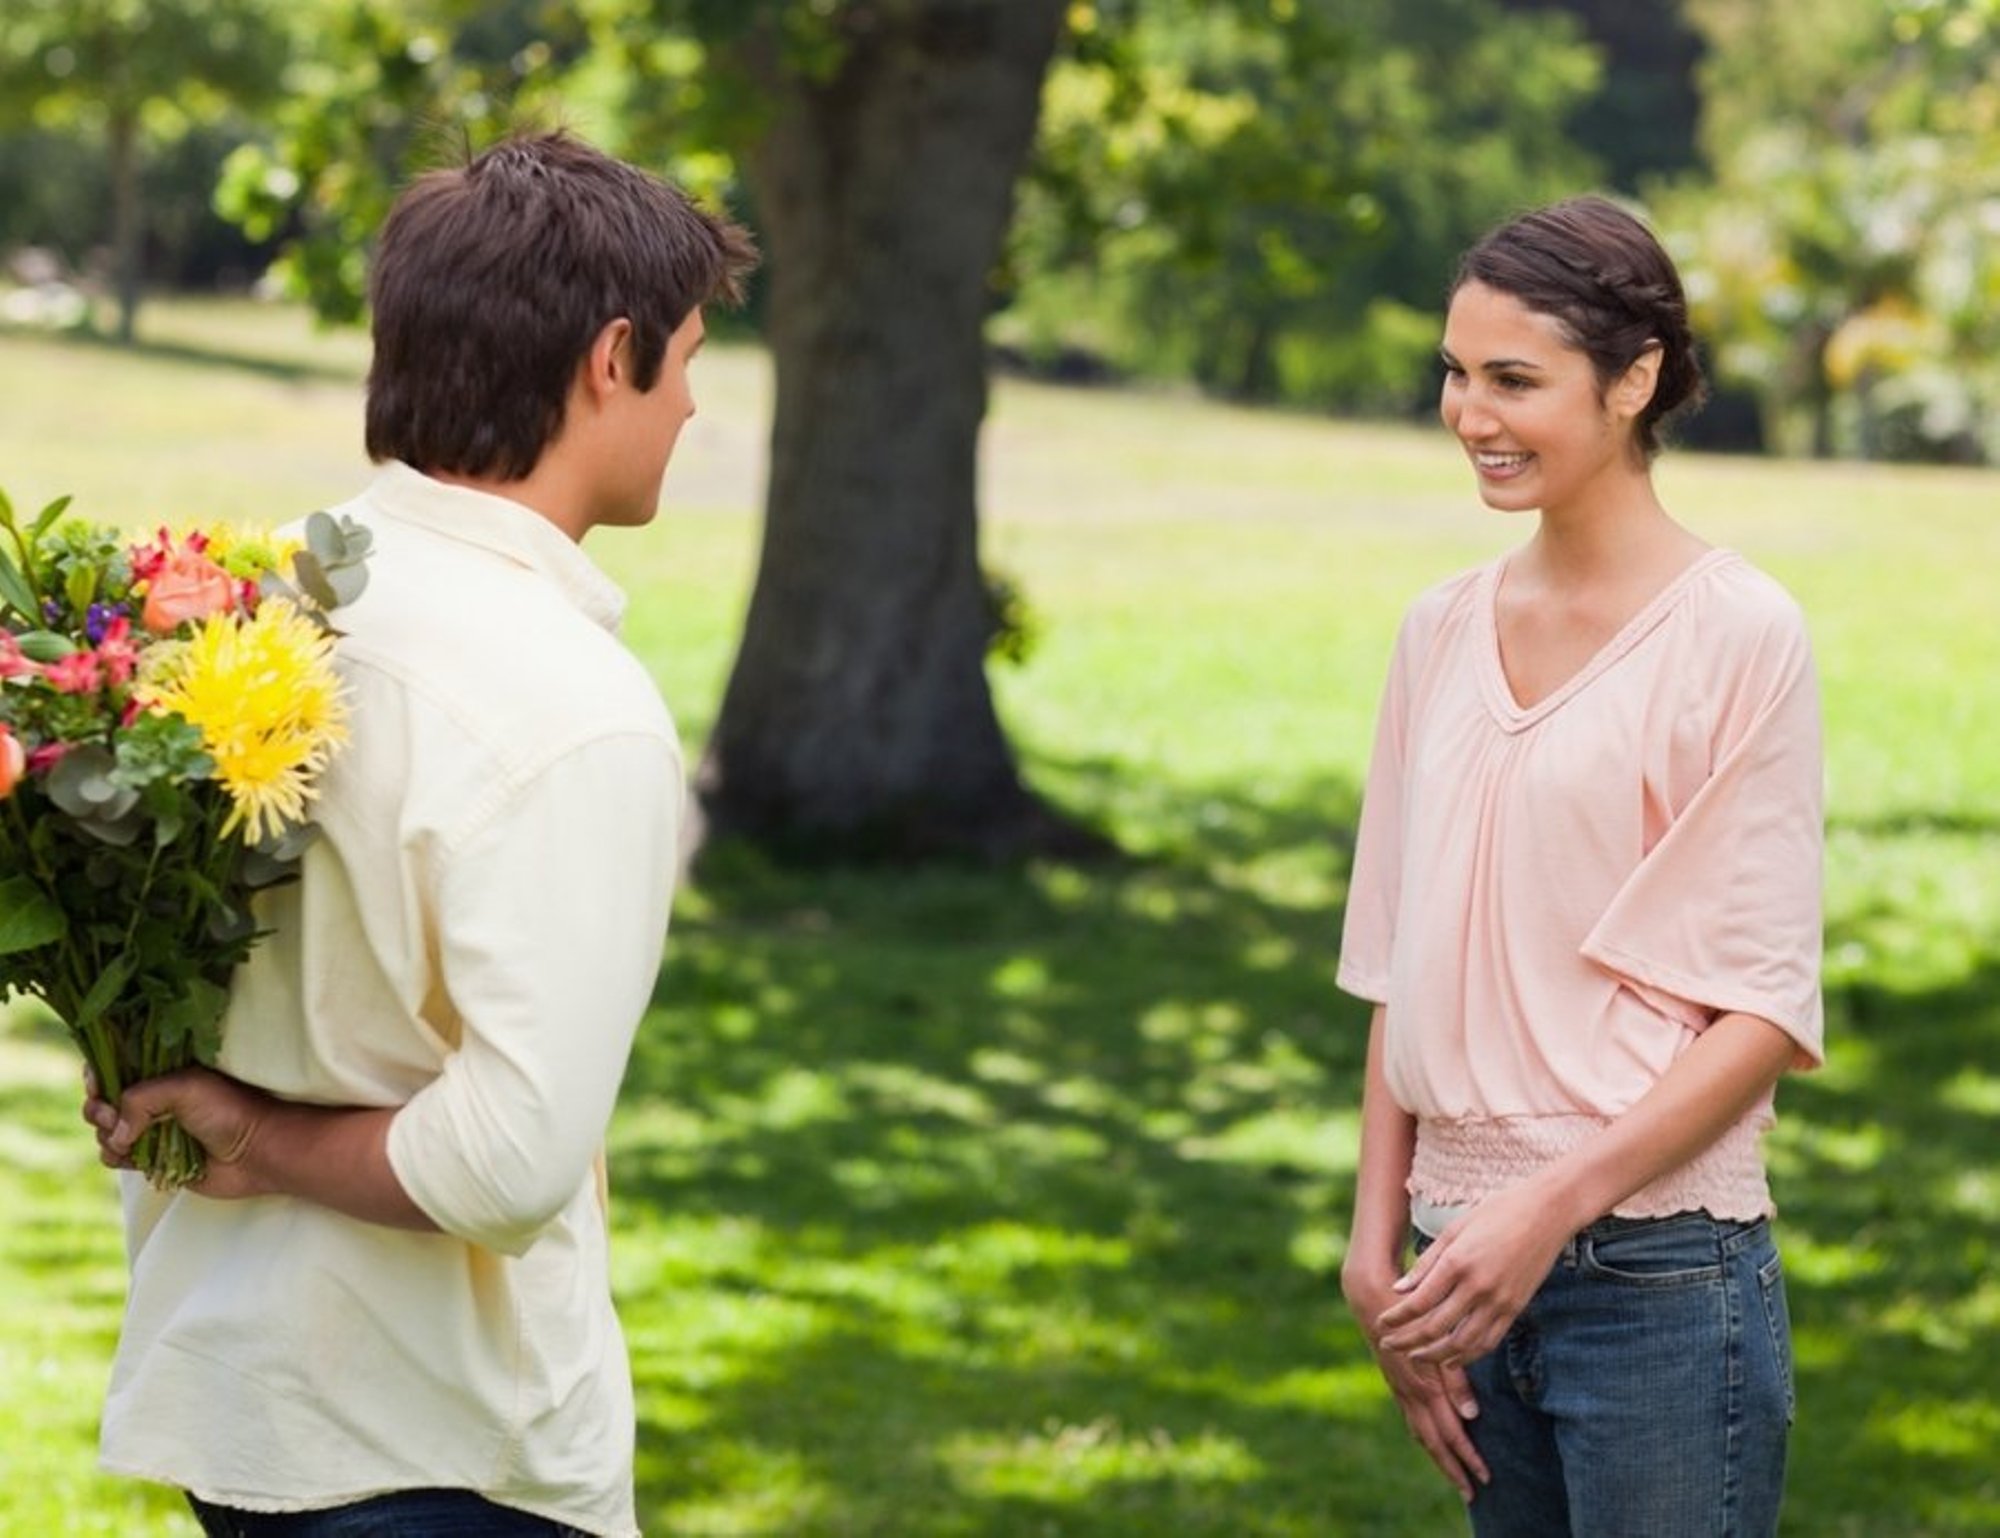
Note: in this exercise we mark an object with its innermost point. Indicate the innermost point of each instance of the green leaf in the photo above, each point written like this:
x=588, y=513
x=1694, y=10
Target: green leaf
x=194, y=1020
x=83, y=784
x=323, y=538
x=312, y=577
x=44, y=645
x=103, y=993
x=80, y=589
x=28, y=917
x=46, y=518
x=15, y=592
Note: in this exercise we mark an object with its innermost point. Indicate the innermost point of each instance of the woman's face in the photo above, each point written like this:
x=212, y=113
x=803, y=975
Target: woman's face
x=1525, y=403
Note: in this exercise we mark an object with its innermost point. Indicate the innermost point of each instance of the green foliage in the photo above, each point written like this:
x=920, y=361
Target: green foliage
x=974, y=1204
x=1842, y=255
x=1263, y=197
x=170, y=63
x=134, y=76
x=381, y=90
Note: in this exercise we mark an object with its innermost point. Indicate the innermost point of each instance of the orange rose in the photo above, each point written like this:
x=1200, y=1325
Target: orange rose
x=189, y=586
x=13, y=762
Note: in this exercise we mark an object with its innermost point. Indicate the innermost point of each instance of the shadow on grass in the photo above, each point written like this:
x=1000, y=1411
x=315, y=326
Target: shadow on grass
x=1010, y=1204
x=301, y=369
x=1888, y=1169
x=1014, y=1198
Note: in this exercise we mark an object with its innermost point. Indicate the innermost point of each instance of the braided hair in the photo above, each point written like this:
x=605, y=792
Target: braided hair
x=1605, y=277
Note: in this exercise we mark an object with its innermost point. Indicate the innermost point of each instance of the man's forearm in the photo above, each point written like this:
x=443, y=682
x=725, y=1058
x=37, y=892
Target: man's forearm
x=336, y=1157
x=259, y=1145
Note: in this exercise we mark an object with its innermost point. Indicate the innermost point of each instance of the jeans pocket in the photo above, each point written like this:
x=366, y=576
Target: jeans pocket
x=1680, y=1251
x=1777, y=1316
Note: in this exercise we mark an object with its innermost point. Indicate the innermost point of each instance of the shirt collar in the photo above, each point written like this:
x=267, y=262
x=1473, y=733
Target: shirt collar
x=507, y=528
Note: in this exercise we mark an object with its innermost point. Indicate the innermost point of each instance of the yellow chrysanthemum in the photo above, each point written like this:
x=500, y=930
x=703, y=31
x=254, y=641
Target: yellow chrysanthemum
x=264, y=696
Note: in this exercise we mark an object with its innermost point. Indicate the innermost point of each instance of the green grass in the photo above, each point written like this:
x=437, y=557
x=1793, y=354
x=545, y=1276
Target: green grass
x=1010, y=1205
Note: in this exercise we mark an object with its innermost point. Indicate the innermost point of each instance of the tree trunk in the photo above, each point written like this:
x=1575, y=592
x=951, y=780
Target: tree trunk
x=858, y=720
x=126, y=222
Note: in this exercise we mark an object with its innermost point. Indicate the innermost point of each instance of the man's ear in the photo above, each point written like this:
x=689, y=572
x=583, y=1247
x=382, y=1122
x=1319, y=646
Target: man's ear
x=608, y=364
x=1632, y=392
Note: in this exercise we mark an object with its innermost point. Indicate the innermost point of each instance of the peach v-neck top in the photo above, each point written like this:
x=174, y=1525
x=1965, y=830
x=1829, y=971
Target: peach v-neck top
x=1553, y=901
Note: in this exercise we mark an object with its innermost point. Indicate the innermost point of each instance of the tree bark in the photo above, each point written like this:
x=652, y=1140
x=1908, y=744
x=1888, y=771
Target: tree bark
x=858, y=720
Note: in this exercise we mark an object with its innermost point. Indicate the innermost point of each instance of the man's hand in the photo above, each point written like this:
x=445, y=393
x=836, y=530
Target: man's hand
x=223, y=1115
x=259, y=1145
x=1436, y=1401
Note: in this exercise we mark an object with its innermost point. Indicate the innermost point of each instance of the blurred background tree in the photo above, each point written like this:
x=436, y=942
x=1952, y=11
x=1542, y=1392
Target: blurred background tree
x=1268, y=198
x=1840, y=246
x=1262, y=198
x=130, y=78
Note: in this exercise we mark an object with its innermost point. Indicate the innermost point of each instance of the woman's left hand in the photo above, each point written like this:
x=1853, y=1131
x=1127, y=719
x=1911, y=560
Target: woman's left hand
x=1464, y=1292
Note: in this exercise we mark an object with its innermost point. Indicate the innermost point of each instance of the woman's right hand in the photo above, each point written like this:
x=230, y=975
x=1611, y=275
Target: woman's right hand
x=1436, y=1402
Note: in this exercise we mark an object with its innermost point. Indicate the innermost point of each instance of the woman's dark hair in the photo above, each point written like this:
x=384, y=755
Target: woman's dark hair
x=492, y=279
x=1603, y=275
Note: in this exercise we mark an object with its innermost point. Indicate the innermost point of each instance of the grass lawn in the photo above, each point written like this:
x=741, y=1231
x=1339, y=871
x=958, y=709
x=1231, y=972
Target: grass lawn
x=1010, y=1205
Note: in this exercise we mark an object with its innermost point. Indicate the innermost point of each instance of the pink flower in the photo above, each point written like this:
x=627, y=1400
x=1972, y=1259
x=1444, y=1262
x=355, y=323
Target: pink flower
x=188, y=585
x=78, y=673
x=117, y=653
x=13, y=762
x=46, y=757
x=12, y=663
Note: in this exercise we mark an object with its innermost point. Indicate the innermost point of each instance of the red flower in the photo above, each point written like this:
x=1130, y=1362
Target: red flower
x=46, y=757
x=117, y=653
x=78, y=673
x=12, y=663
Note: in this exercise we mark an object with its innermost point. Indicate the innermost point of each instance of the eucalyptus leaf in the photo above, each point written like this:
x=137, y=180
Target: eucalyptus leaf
x=82, y=784
x=323, y=537
x=28, y=917
x=313, y=579
x=349, y=582
x=228, y=923
x=120, y=832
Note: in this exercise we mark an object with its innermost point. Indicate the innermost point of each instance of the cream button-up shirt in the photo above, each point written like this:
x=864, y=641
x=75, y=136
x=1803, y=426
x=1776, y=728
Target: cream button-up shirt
x=475, y=939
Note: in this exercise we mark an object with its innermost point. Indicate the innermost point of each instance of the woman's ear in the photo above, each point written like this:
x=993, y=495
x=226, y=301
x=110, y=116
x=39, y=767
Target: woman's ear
x=1634, y=389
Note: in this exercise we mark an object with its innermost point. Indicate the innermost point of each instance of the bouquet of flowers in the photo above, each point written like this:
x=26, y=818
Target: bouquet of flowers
x=166, y=708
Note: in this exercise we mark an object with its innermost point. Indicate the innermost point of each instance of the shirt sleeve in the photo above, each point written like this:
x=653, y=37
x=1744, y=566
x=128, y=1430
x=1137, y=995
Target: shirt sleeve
x=1723, y=915
x=551, y=917
x=1369, y=929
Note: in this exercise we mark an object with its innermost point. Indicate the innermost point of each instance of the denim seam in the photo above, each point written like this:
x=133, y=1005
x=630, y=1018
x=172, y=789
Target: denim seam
x=1734, y=1401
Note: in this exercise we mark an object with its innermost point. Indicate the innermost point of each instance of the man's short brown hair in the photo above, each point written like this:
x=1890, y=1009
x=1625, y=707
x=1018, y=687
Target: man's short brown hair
x=492, y=279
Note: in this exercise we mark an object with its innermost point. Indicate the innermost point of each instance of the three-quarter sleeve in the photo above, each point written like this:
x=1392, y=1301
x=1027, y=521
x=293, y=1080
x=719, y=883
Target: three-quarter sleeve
x=1723, y=914
x=552, y=912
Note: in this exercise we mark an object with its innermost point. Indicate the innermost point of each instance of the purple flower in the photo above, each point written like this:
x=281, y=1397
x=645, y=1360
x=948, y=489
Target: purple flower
x=100, y=619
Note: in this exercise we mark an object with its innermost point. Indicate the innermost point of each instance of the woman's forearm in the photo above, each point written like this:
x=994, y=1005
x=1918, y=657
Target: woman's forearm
x=1712, y=1085
x=1380, y=1228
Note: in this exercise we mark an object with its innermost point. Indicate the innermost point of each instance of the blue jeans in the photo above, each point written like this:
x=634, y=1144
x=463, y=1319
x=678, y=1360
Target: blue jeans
x=1645, y=1391
x=405, y=1514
